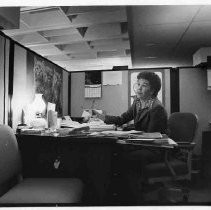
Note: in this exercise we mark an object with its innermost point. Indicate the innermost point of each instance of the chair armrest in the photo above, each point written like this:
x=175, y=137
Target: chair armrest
x=185, y=145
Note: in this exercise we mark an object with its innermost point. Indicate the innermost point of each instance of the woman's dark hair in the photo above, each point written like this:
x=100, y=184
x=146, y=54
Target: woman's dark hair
x=154, y=81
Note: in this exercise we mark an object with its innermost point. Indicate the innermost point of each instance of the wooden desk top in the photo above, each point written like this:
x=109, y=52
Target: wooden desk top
x=69, y=138
x=86, y=139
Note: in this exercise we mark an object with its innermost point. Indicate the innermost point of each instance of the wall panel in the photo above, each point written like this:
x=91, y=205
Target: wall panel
x=114, y=98
x=194, y=97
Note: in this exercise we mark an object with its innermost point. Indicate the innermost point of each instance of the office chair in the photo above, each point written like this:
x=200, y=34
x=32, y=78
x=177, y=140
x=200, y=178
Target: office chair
x=16, y=190
x=177, y=164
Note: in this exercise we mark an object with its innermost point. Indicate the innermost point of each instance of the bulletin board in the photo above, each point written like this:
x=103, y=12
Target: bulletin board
x=93, y=84
x=93, y=91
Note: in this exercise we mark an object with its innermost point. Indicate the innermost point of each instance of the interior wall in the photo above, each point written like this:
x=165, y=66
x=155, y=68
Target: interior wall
x=23, y=89
x=65, y=93
x=1, y=79
x=4, y=69
x=114, y=98
x=194, y=97
x=22, y=93
x=167, y=98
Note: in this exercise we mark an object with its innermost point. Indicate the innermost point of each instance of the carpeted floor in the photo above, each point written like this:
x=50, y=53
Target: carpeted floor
x=197, y=192
x=200, y=192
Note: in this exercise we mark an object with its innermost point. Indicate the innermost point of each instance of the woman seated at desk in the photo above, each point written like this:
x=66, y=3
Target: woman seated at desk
x=149, y=115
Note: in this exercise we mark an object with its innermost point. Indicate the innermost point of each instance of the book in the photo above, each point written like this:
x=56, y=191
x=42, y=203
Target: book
x=143, y=135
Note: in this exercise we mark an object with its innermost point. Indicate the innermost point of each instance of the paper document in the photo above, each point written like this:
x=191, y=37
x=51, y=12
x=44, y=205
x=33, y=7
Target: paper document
x=67, y=118
x=86, y=114
x=97, y=125
x=110, y=132
x=122, y=133
x=163, y=141
x=71, y=124
x=154, y=135
x=141, y=139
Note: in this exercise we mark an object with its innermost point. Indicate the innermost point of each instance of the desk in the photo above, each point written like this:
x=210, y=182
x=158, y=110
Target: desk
x=94, y=155
x=100, y=165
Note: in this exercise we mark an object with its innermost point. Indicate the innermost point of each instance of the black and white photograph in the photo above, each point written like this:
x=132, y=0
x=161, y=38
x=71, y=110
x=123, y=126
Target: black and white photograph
x=105, y=104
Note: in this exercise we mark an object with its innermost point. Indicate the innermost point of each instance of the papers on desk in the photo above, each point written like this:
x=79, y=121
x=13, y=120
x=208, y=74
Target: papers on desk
x=68, y=123
x=97, y=125
x=76, y=132
x=161, y=141
x=31, y=131
x=113, y=133
x=101, y=128
x=143, y=135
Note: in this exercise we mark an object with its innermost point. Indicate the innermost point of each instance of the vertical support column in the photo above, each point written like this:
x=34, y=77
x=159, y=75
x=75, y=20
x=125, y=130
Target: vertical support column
x=69, y=94
x=174, y=90
x=11, y=78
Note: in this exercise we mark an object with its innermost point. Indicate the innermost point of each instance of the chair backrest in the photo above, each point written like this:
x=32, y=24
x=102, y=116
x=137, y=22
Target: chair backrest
x=182, y=126
x=10, y=159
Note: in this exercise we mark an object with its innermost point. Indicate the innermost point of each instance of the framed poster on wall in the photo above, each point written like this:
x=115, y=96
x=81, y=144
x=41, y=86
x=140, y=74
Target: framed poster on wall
x=48, y=79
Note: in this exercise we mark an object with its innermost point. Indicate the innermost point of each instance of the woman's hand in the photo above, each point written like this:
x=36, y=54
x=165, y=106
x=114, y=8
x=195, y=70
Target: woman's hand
x=86, y=119
x=100, y=116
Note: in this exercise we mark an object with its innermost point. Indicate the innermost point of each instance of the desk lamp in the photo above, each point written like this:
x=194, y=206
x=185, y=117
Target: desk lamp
x=38, y=106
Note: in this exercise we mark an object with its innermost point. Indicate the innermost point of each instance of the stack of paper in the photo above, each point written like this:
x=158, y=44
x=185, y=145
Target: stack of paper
x=30, y=131
x=73, y=131
x=119, y=134
x=71, y=124
x=154, y=135
x=97, y=125
x=165, y=141
x=99, y=128
x=161, y=141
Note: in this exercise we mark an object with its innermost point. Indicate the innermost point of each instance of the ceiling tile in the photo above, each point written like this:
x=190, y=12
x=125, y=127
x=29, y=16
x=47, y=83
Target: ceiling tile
x=163, y=14
x=116, y=41
x=66, y=38
x=59, y=32
x=204, y=13
x=83, y=55
x=99, y=18
x=45, y=18
x=165, y=33
x=72, y=10
x=108, y=54
x=30, y=38
x=48, y=51
x=77, y=47
x=58, y=57
x=107, y=47
x=199, y=32
x=104, y=30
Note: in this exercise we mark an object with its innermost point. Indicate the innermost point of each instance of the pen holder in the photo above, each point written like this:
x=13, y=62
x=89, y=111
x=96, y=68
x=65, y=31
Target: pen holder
x=52, y=120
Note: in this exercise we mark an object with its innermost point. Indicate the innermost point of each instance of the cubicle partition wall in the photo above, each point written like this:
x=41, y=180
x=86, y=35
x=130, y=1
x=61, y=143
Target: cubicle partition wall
x=117, y=92
x=184, y=89
x=19, y=81
x=195, y=97
x=4, y=79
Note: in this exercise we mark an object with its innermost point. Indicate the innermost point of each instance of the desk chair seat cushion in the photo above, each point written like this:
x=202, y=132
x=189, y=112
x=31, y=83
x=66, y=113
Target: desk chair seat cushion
x=161, y=170
x=45, y=190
